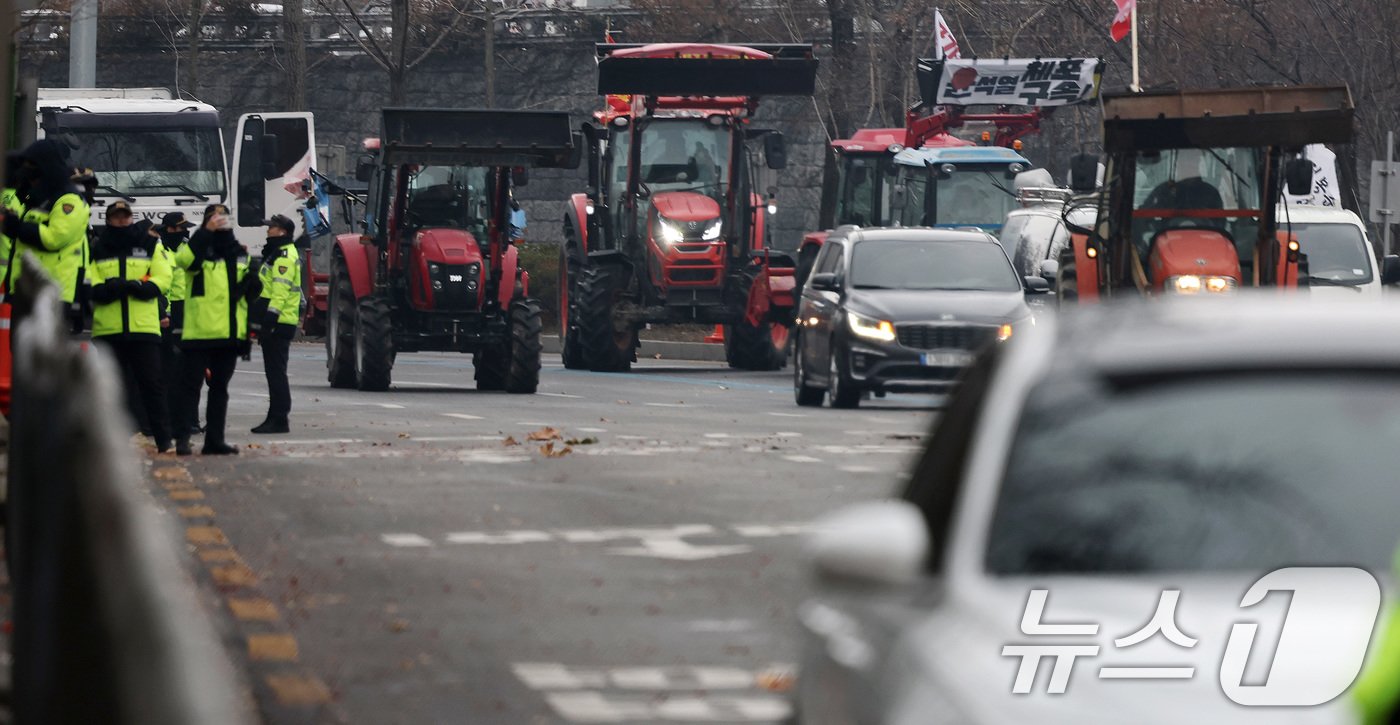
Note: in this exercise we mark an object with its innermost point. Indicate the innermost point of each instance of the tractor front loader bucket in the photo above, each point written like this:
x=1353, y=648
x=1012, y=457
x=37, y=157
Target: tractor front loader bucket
x=479, y=137
x=685, y=69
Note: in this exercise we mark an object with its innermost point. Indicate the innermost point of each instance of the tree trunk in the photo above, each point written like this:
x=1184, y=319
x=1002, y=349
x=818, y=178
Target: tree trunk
x=398, y=62
x=490, y=60
x=192, y=60
x=294, y=41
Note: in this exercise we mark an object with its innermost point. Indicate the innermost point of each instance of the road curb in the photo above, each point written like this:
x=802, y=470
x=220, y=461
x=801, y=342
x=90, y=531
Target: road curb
x=661, y=349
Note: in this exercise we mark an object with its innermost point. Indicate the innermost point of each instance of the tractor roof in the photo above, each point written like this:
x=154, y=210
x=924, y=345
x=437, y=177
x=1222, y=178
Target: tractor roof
x=959, y=154
x=477, y=137
x=1291, y=117
x=700, y=69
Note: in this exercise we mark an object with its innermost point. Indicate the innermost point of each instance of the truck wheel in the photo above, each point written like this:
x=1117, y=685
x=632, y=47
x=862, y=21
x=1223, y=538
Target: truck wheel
x=340, y=327
x=374, y=344
x=523, y=374
x=569, y=344
x=841, y=388
x=605, y=348
x=1067, y=283
x=760, y=347
x=803, y=391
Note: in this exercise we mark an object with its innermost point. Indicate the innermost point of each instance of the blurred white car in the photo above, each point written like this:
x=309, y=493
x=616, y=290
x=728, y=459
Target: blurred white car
x=1108, y=458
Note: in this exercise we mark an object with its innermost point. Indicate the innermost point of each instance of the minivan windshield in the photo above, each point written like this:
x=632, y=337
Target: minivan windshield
x=1222, y=473
x=932, y=265
x=1336, y=252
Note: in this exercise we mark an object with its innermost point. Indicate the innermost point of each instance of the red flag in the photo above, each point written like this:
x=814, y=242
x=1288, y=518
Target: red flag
x=1123, y=21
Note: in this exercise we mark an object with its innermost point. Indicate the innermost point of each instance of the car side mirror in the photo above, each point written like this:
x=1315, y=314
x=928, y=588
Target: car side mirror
x=364, y=170
x=1390, y=269
x=825, y=282
x=1049, y=270
x=775, y=151
x=1298, y=173
x=1083, y=173
x=881, y=543
x=1036, y=285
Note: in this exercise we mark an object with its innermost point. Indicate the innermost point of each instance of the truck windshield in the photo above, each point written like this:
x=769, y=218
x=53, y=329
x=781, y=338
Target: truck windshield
x=157, y=162
x=971, y=195
x=1336, y=252
x=864, y=197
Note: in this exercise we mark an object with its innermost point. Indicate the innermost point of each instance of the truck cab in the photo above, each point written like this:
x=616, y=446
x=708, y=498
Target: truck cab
x=968, y=186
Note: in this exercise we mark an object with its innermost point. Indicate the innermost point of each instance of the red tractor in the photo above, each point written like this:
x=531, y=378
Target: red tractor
x=673, y=227
x=433, y=268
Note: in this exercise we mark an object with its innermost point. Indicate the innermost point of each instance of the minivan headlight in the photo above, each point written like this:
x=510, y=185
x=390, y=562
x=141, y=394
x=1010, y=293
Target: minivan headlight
x=870, y=327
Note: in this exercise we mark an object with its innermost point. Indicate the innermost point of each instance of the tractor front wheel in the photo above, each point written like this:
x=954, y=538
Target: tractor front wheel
x=374, y=344
x=606, y=348
x=755, y=347
x=340, y=327
x=523, y=374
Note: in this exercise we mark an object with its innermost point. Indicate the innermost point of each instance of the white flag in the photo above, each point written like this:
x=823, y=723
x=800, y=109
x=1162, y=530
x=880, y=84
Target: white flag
x=947, y=44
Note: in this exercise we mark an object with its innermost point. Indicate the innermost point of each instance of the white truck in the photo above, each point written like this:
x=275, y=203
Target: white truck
x=1341, y=260
x=163, y=154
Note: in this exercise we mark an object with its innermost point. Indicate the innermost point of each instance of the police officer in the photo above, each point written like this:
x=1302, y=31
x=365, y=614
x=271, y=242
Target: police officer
x=54, y=222
x=174, y=231
x=128, y=272
x=219, y=283
x=280, y=311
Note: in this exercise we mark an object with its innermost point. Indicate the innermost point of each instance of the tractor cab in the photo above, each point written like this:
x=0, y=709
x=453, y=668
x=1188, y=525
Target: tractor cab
x=957, y=187
x=1192, y=185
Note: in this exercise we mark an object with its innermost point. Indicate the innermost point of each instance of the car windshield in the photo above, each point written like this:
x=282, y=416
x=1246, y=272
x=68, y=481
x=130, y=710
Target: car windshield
x=160, y=162
x=1336, y=252
x=1225, y=473
x=932, y=265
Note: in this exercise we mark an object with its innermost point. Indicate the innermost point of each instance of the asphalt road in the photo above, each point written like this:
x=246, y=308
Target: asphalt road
x=414, y=557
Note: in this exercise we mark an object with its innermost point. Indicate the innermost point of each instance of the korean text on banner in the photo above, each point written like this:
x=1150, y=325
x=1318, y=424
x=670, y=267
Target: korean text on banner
x=1019, y=81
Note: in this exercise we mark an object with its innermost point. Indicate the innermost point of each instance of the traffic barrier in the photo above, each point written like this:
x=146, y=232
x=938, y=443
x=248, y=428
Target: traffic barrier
x=107, y=627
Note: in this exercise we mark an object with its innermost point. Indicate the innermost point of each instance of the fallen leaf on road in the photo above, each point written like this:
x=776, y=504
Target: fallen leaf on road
x=581, y=441
x=510, y=441
x=657, y=356
x=254, y=446
x=623, y=402
x=775, y=679
x=550, y=451
x=544, y=434
x=398, y=625
x=403, y=435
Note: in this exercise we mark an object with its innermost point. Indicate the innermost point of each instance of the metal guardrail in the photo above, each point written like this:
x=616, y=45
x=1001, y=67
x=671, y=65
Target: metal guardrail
x=107, y=625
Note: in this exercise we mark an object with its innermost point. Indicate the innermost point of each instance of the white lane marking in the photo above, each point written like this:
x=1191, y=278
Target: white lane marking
x=405, y=540
x=656, y=450
x=503, y=537
x=554, y=676
x=492, y=457
x=860, y=469
x=252, y=395
x=788, y=415
x=679, y=550
x=802, y=459
x=454, y=439
x=594, y=536
x=788, y=434
x=598, y=707
x=763, y=531
x=719, y=435
x=463, y=416
x=557, y=395
x=720, y=625
x=594, y=430
x=390, y=406
x=400, y=384
x=314, y=441
x=634, y=438
x=665, y=405
x=532, y=423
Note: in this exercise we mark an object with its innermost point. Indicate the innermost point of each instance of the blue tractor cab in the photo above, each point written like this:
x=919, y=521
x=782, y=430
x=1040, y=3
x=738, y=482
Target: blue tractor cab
x=966, y=186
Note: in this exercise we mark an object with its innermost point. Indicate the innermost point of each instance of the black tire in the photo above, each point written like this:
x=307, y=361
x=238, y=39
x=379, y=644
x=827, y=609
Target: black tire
x=805, y=394
x=605, y=348
x=491, y=365
x=1067, y=279
x=750, y=347
x=374, y=344
x=570, y=347
x=340, y=327
x=523, y=374
x=841, y=389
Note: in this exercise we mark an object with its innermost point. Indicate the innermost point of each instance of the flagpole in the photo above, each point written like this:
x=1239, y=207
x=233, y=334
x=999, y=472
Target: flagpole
x=1137, y=84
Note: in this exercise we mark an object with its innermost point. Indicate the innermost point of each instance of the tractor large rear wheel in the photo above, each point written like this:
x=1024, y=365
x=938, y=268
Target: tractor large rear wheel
x=340, y=327
x=374, y=344
x=755, y=347
x=523, y=375
x=570, y=346
x=606, y=347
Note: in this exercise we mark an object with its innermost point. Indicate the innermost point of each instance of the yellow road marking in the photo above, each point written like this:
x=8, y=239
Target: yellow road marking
x=205, y=536
x=272, y=647
x=187, y=494
x=298, y=689
x=196, y=512
x=253, y=610
x=233, y=575
x=219, y=556
x=172, y=473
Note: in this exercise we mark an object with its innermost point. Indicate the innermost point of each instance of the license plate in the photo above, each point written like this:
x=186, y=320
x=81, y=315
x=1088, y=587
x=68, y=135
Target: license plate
x=946, y=359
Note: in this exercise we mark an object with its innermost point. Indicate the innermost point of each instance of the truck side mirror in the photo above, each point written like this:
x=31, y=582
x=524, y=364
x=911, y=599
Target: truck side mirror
x=1390, y=269
x=1083, y=173
x=269, y=150
x=775, y=151
x=575, y=157
x=1298, y=173
x=364, y=169
x=520, y=176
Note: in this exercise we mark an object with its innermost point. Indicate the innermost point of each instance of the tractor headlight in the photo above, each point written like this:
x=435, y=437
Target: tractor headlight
x=669, y=233
x=712, y=232
x=1192, y=284
x=870, y=328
